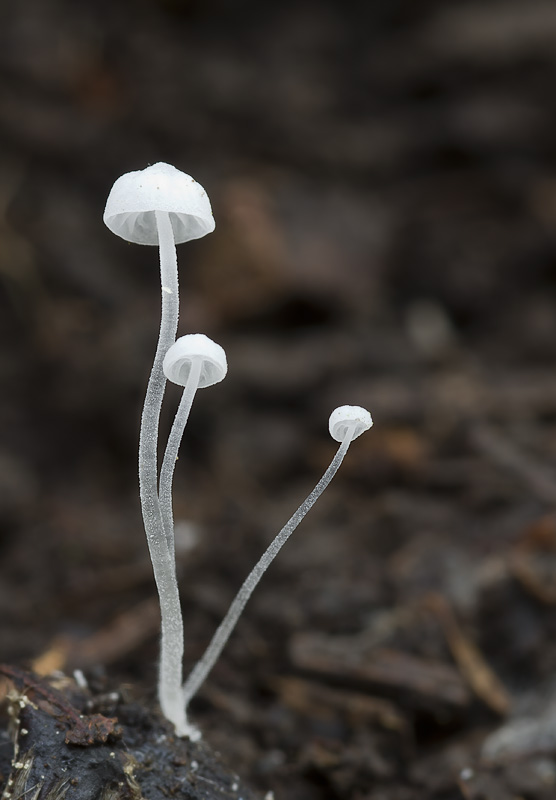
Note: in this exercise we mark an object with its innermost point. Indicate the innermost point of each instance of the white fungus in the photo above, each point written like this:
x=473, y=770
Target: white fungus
x=136, y=197
x=189, y=350
x=194, y=362
x=343, y=423
x=161, y=206
x=345, y=418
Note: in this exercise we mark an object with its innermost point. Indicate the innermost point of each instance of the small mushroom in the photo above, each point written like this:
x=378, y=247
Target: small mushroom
x=349, y=421
x=194, y=361
x=161, y=206
x=346, y=424
x=139, y=200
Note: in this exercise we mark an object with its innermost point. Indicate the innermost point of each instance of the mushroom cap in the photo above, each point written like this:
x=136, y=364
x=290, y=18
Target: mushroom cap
x=185, y=350
x=344, y=417
x=134, y=198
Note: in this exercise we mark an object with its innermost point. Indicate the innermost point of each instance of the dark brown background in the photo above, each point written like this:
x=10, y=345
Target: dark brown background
x=383, y=179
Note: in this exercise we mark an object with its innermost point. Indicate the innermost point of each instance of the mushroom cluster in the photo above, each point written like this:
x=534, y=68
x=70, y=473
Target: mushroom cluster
x=162, y=206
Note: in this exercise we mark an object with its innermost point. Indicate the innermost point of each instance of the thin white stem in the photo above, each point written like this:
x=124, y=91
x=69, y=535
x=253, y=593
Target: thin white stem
x=171, y=452
x=171, y=647
x=218, y=641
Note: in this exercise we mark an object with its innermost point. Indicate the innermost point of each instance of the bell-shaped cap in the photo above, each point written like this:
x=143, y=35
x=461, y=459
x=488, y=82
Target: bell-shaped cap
x=346, y=417
x=134, y=198
x=181, y=355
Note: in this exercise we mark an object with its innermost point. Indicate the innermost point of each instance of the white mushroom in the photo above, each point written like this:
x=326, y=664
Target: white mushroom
x=345, y=424
x=138, y=200
x=346, y=419
x=194, y=361
x=161, y=206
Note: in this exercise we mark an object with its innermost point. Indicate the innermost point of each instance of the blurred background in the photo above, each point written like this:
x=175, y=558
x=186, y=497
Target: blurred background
x=383, y=178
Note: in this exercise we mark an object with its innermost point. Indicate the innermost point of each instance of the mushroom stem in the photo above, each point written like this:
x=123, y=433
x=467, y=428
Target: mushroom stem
x=171, y=648
x=218, y=641
x=148, y=438
x=171, y=452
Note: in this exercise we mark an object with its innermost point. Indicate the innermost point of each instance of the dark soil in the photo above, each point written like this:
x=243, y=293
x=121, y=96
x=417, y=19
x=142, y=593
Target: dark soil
x=383, y=177
x=63, y=747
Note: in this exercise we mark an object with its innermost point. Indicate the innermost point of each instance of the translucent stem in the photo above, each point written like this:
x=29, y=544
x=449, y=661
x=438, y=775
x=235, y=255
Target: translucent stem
x=218, y=641
x=171, y=648
x=171, y=453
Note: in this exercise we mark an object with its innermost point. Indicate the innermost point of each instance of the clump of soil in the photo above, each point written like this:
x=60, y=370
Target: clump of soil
x=71, y=743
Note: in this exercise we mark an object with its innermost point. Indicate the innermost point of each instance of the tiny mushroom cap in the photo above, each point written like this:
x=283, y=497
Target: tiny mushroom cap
x=136, y=196
x=187, y=349
x=346, y=417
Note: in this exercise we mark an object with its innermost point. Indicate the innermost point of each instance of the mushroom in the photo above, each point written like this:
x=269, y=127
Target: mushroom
x=161, y=206
x=346, y=423
x=194, y=361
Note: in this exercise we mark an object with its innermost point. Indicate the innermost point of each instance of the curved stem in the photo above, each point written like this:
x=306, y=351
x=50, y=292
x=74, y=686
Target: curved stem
x=207, y=661
x=171, y=453
x=171, y=648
